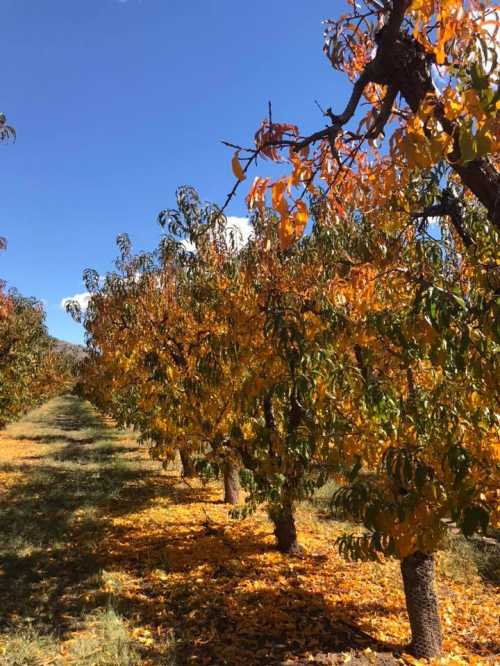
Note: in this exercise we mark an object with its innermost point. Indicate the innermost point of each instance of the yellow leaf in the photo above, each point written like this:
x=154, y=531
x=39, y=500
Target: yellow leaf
x=237, y=170
x=286, y=232
x=278, y=198
x=302, y=215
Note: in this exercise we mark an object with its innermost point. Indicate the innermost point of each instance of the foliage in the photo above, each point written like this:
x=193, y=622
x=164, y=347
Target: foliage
x=6, y=131
x=31, y=371
x=419, y=303
x=206, y=351
x=333, y=357
x=428, y=109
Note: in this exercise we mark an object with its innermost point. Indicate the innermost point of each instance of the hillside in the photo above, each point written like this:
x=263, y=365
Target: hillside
x=69, y=348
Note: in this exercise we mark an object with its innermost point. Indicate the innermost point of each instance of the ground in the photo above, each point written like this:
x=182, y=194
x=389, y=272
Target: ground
x=108, y=560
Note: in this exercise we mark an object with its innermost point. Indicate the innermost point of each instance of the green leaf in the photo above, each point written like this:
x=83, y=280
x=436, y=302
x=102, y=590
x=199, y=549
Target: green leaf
x=468, y=147
x=460, y=301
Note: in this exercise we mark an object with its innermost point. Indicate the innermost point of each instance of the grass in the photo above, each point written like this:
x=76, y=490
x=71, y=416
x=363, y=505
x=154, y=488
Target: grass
x=464, y=560
x=26, y=647
x=104, y=641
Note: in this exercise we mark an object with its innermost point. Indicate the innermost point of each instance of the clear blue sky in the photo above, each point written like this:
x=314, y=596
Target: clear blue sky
x=117, y=102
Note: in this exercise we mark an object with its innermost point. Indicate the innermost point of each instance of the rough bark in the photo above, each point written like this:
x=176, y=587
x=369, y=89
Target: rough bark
x=421, y=602
x=285, y=531
x=188, y=470
x=231, y=483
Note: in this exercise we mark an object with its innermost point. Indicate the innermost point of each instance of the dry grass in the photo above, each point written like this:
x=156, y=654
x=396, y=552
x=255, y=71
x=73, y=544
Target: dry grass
x=26, y=647
x=103, y=640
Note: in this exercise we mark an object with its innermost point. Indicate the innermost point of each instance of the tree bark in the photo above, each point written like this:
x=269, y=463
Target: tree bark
x=231, y=483
x=421, y=602
x=284, y=530
x=188, y=470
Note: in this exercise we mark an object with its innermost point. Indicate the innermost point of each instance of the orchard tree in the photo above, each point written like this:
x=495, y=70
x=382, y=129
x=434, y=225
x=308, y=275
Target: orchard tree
x=224, y=353
x=149, y=330
x=31, y=371
x=416, y=182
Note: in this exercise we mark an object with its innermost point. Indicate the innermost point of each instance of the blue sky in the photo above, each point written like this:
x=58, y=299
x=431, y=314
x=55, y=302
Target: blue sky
x=116, y=103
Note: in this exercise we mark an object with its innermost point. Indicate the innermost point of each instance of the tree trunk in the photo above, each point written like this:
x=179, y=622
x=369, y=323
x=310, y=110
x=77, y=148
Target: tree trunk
x=284, y=530
x=231, y=483
x=421, y=602
x=188, y=470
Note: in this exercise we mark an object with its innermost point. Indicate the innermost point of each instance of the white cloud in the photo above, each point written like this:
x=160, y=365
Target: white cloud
x=188, y=246
x=241, y=230
x=82, y=300
x=238, y=232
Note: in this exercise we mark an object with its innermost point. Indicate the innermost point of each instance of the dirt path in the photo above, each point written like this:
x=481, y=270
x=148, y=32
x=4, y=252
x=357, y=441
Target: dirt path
x=107, y=560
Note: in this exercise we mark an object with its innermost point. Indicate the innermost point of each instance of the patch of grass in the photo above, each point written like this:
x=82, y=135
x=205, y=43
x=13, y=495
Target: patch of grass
x=105, y=641
x=26, y=647
x=321, y=508
x=465, y=559
x=323, y=496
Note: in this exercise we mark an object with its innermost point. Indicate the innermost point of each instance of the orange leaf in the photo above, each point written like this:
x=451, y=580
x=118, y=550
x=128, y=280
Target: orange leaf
x=278, y=198
x=257, y=194
x=286, y=232
x=302, y=212
x=237, y=170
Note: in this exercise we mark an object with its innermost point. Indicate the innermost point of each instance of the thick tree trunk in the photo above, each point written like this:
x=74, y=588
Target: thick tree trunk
x=421, y=602
x=231, y=483
x=284, y=530
x=188, y=470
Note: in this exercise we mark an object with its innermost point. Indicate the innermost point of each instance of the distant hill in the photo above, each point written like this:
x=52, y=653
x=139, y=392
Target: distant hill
x=77, y=351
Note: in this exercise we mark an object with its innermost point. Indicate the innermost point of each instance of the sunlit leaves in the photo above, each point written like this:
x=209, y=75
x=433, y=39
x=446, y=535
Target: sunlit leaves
x=31, y=371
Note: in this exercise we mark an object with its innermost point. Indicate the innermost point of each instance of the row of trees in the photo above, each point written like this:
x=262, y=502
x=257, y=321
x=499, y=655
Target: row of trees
x=295, y=366
x=364, y=350
x=31, y=369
